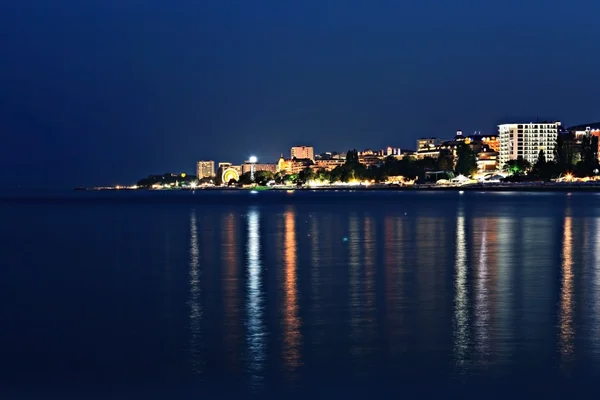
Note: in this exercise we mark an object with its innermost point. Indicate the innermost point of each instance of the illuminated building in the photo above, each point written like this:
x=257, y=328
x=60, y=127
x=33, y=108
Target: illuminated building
x=392, y=151
x=487, y=161
x=328, y=165
x=227, y=172
x=247, y=166
x=586, y=130
x=370, y=159
x=302, y=152
x=478, y=141
x=205, y=169
x=427, y=143
x=293, y=166
x=526, y=140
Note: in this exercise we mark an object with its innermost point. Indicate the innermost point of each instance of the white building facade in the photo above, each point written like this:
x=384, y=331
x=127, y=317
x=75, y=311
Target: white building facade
x=526, y=140
x=205, y=169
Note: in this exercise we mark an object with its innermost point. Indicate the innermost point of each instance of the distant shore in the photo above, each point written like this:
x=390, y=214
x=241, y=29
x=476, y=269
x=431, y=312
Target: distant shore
x=498, y=187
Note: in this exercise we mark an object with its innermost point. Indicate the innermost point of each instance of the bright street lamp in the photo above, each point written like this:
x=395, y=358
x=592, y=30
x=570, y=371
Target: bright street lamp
x=252, y=161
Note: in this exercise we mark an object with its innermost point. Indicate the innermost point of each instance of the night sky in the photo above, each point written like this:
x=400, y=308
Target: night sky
x=107, y=91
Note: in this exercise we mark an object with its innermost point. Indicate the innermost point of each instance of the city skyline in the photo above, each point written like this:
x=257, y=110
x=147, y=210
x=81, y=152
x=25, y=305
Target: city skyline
x=92, y=95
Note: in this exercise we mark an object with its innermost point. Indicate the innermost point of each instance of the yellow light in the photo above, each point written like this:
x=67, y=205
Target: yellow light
x=569, y=177
x=183, y=175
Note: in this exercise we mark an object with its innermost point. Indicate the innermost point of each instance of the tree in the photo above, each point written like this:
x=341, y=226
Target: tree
x=336, y=174
x=466, y=163
x=589, y=155
x=445, y=162
x=323, y=175
x=263, y=177
x=543, y=169
x=541, y=158
x=246, y=179
x=517, y=167
x=564, y=151
x=306, y=175
x=352, y=157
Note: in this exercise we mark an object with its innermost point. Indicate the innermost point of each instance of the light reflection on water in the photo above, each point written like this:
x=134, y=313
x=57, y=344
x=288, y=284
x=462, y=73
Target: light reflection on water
x=195, y=305
x=461, y=307
x=483, y=288
x=255, y=331
x=567, y=331
x=291, y=320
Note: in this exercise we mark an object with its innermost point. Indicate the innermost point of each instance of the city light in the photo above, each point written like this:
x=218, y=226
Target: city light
x=194, y=184
x=253, y=159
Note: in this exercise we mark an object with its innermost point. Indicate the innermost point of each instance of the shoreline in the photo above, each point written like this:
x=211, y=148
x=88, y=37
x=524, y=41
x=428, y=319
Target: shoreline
x=524, y=187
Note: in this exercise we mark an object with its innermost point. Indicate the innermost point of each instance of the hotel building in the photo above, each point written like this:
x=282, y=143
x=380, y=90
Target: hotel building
x=247, y=167
x=303, y=153
x=205, y=169
x=526, y=140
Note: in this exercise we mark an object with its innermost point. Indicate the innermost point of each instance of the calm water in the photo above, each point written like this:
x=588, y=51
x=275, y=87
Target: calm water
x=272, y=294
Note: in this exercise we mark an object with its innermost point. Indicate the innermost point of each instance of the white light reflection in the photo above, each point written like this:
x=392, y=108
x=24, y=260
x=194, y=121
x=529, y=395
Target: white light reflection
x=481, y=303
x=255, y=330
x=369, y=303
x=196, y=312
x=356, y=305
x=461, y=313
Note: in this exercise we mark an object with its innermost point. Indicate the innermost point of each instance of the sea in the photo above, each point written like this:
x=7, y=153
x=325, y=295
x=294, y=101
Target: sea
x=299, y=294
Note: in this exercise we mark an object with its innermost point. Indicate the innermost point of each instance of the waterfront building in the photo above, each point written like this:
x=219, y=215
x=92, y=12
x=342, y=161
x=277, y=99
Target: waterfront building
x=487, y=160
x=526, y=140
x=370, y=158
x=205, y=169
x=392, y=151
x=293, y=166
x=302, y=152
x=428, y=143
x=579, y=132
x=271, y=167
x=585, y=130
x=478, y=141
x=226, y=172
x=433, y=152
x=328, y=165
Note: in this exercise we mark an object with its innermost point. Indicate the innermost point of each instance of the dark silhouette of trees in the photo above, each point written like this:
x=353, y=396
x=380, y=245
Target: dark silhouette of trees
x=445, y=161
x=306, y=175
x=466, y=162
x=543, y=169
x=565, y=151
x=262, y=178
x=589, y=155
x=352, y=157
x=517, y=167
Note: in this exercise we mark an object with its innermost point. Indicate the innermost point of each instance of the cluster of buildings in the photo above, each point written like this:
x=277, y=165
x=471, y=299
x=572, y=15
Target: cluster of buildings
x=492, y=151
x=301, y=157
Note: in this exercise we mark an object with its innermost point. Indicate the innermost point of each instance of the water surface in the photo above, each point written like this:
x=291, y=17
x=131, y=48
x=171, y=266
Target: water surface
x=353, y=294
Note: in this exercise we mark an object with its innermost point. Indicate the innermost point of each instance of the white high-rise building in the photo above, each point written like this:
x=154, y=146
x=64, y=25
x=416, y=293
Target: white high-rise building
x=205, y=169
x=303, y=153
x=526, y=140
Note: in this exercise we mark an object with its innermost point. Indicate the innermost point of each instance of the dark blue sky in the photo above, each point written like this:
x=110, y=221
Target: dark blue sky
x=106, y=91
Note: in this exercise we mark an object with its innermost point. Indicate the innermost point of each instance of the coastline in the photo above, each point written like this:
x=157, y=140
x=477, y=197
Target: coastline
x=512, y=187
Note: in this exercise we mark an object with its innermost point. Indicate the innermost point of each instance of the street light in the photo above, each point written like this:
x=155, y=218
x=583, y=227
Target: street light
x=252, y=161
